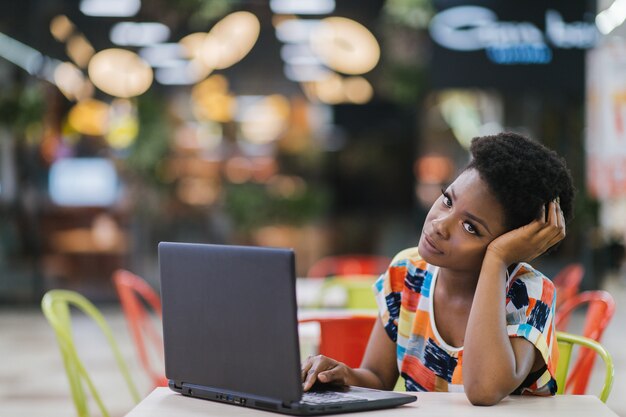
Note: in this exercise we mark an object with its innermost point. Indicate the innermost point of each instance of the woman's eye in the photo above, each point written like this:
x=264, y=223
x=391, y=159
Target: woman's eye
x=446, y=200
x=470, y=228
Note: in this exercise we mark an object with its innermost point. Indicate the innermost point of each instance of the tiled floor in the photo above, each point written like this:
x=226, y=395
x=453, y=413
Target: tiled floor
x=33, y=383
x=32, y=379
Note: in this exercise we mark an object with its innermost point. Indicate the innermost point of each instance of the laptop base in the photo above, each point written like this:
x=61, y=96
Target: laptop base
x=301, y=408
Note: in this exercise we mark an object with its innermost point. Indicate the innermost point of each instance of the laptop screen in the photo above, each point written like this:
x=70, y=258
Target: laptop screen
x=230, y=319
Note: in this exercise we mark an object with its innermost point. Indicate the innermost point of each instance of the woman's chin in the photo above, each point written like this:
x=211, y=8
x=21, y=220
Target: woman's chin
x=425, y=253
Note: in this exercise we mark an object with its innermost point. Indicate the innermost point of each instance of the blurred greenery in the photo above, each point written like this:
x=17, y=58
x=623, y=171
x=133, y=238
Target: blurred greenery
x=202, y=13
x=403, y=26
x=406, y=83
x=152, y=143
x=209, y=11
x=252, y=205
x=415, y=14
x=21, y=107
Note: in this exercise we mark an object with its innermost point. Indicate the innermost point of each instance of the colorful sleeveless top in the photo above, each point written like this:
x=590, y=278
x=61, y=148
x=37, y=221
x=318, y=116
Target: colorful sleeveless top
x=404, y=294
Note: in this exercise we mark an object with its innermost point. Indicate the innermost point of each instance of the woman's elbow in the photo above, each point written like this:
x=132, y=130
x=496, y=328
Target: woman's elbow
x=483, y=396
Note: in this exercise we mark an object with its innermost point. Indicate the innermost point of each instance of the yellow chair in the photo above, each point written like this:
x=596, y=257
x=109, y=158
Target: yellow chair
x=56, y=307
x=566, y=343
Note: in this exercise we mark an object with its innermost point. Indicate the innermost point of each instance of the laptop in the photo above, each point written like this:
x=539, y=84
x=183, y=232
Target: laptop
x=230, y=332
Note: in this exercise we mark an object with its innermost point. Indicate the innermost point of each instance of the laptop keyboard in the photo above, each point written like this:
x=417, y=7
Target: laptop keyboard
x=329, y=397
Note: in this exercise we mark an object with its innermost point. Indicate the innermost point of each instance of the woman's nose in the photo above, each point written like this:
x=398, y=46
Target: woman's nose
x=440, y=226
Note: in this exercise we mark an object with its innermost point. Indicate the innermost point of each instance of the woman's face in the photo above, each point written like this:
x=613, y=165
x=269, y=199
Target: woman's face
x=461, y=224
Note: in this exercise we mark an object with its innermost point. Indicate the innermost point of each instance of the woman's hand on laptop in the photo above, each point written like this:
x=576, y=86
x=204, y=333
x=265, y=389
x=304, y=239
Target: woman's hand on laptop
x=325, y=370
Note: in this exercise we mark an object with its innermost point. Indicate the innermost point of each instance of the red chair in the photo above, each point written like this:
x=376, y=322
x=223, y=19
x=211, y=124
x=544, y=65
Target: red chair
x=135, y=297
x=567, y=282
x=344, y=338
x=600, y=310
x=349, y=265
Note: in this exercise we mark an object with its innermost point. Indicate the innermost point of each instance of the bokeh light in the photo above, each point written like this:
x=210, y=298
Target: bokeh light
x=345, y=45
x=120, y=73
x=90, y=117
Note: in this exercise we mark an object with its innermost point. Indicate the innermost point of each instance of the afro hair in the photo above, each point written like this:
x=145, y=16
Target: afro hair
x=523, y=175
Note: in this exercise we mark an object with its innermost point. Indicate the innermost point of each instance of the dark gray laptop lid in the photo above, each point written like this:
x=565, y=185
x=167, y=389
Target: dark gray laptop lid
x=222, y=326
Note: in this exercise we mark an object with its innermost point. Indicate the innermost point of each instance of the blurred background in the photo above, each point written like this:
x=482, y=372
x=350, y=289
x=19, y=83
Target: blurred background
x=328, y=126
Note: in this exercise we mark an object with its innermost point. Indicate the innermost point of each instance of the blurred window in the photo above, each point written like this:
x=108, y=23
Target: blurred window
x=83, y=182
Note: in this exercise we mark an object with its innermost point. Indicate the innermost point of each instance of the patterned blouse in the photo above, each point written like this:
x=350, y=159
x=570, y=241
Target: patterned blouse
x=425, y=361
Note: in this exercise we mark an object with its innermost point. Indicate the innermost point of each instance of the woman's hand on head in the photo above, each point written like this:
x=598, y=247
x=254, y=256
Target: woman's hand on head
x=532, y=240
x=325, y=370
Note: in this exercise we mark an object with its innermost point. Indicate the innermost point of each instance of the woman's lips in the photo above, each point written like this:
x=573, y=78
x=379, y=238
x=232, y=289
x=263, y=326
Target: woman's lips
x=431, y=245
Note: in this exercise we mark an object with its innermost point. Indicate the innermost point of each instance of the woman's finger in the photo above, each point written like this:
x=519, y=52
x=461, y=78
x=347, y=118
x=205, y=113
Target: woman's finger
x=319, y=364
x=306, y=366
x=552, y=213
x=311, y=376
x=550, y=234
x=559, y=216
x=331, y=375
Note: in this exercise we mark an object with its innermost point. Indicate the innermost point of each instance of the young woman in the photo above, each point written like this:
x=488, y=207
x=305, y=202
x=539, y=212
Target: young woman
x=463, y=311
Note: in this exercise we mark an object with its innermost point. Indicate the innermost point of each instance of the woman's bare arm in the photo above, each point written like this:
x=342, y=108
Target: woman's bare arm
x=378, y=368
x=494, y=365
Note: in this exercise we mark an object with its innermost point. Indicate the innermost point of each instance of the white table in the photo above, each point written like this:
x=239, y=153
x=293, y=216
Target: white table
x=163, y=402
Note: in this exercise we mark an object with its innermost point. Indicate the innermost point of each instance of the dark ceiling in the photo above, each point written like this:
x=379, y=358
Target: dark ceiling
x=261, y=72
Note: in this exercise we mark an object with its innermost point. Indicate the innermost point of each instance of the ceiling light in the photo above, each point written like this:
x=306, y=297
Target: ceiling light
x=231, y=39
x=20, y=54
x=611, y=18
x=301, y=73
x=114, y=8
x=162, y=54
x=299, y=54
x=295, y=30
x=330, y=90
x=139, y=34
x=80, y=50
x=69, y=79
x=216, y=83
x=302, y=6
x=120, y=73
x=185, y=73
x=358, y=90
x=192, y=44
x=345, y=45
x=61, y=28
x=47, y=67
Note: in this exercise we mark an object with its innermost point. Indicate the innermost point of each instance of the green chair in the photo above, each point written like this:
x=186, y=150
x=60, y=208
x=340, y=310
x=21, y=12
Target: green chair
x=56, y=307
x=566, y=343
x=356, y=290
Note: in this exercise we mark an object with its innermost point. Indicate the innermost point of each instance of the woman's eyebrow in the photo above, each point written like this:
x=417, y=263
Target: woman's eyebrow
x=470, y=215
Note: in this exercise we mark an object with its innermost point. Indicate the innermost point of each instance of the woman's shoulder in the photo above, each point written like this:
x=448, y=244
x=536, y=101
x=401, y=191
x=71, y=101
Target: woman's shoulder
x=530, y=281
x=407, y=271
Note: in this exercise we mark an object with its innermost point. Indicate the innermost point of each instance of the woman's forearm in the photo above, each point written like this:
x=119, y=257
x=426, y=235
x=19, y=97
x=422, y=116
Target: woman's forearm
x=363, y=377
x=490, y=371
